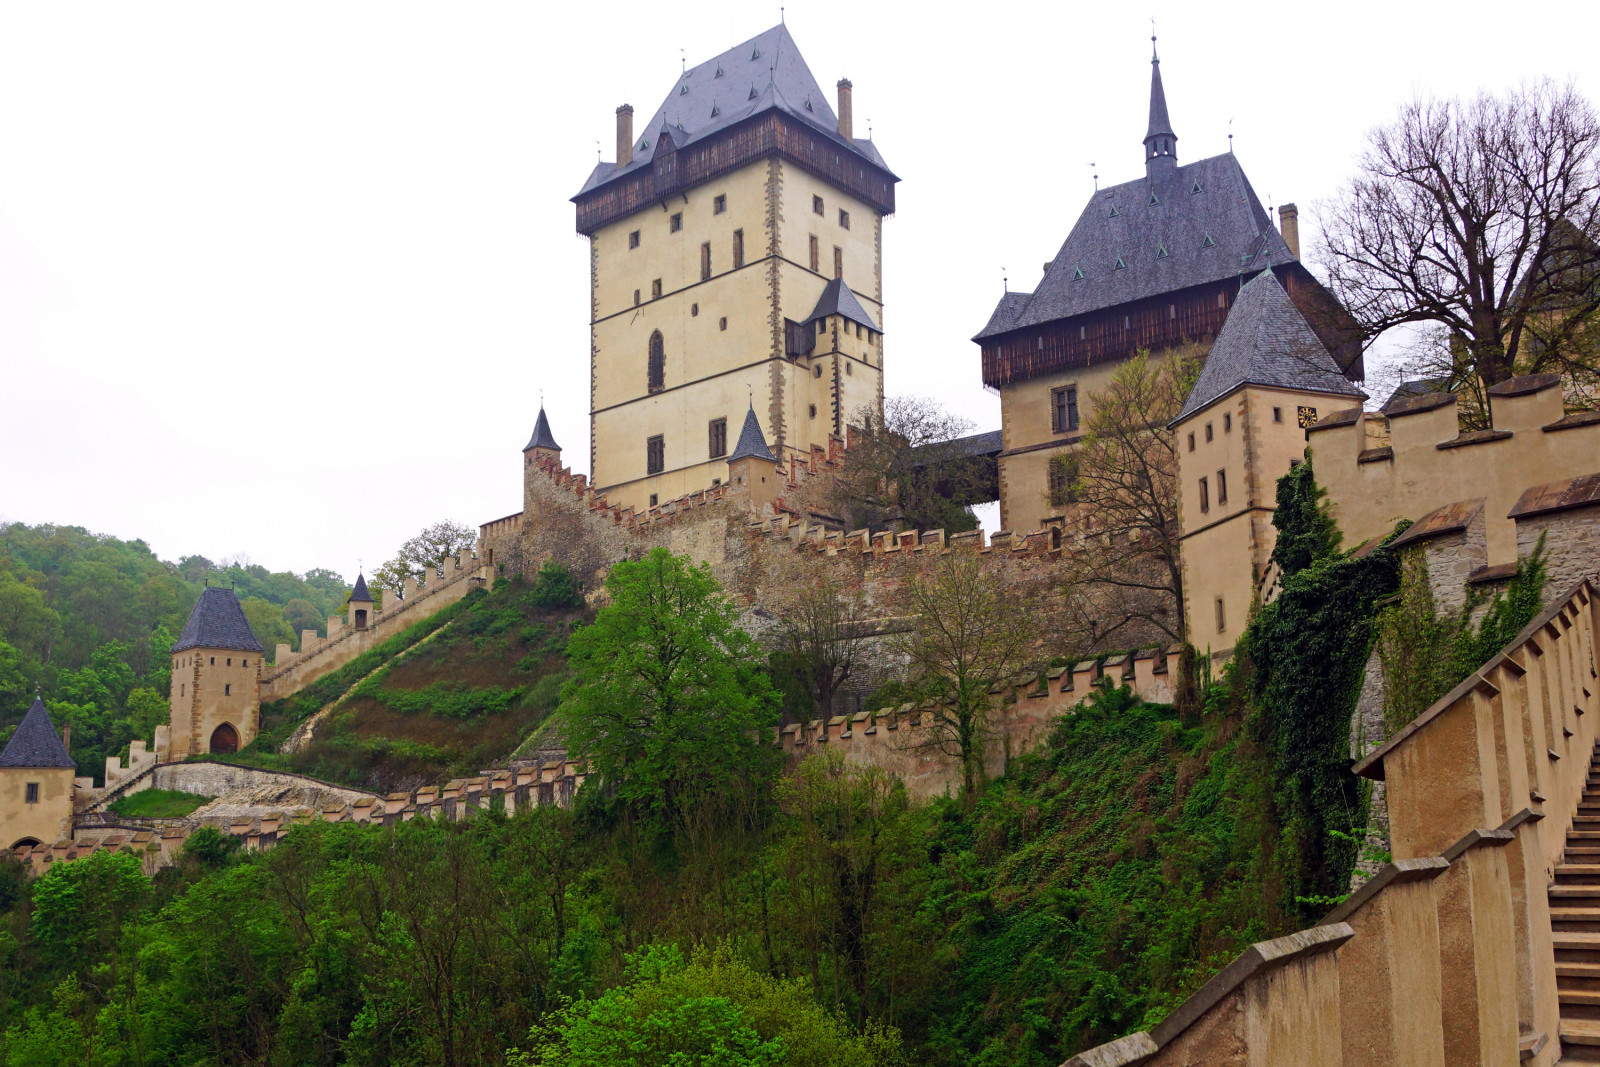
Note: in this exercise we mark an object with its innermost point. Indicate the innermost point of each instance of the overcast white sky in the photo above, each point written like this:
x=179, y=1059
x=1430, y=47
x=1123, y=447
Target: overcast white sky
x=285, y=280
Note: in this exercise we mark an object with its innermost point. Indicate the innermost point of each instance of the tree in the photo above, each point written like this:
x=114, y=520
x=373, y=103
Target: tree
x=667, y=699
x=301, y=614
x=1124, y=486
x=971, y=634
x=1478, y=218
x=555, y=587
x=267, y=623
x=430, y=548
x=905, y=469
x=823, y=632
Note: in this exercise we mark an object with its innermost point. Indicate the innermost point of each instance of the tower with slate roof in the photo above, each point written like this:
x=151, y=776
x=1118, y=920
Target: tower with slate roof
x=216, y=669
x=1151, y=264
x=734, y=253
x=35, y=783
x=1268, y=378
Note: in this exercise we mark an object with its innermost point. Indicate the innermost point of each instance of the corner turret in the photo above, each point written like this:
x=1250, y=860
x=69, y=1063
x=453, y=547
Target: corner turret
x=35, y=783
x=541, y=446
x=752, y=467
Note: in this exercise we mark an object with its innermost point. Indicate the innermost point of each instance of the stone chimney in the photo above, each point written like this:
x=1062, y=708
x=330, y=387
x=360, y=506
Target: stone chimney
x=847, y=124
x=624, y=135
x=1289, y=226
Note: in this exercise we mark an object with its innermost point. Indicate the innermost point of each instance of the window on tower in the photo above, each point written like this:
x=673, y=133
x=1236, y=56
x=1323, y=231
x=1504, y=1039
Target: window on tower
x=655, y=455
x=719, y=205
x=655, y=289
x=816, y=205
x=676, y=222
x=633, y=239
x=844, y=219
x=838, y=262
x=738, y=249
x=1064, y=409
x=719, y=438
x=705, y=261
x=657, y=369
x=816, y=254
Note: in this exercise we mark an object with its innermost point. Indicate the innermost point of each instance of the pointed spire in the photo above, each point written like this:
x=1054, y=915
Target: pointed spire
x=35, y=742
x=360, y=591
x=1160, y=143
x=542, y=437
x=752, y=442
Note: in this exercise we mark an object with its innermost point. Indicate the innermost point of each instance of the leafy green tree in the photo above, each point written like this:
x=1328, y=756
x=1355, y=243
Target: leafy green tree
x=267, y=623
x=667, y=697
x=555, y=587
x=26, y=620
x=301, y=614
x=80, y=908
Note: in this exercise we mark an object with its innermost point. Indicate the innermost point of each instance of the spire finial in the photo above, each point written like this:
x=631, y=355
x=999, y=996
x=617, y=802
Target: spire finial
x=1154, y=58
x=1096, y=175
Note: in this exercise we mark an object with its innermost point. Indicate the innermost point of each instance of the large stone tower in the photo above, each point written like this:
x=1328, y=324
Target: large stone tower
x=734, y=258
x=215, y=698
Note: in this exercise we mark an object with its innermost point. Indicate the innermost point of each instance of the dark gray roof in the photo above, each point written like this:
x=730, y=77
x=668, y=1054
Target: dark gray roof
x=764, y=73
x=1266, y=341
x=1160, y=124
x=217, y=621
x=36, y=743
x=988, y=443
x=837, y=299
x=1415, y=387
x=1185, y=238
x=752, y=442
x=360, y=591
x=542, y=438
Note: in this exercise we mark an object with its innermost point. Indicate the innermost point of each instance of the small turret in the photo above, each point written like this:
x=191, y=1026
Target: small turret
x=360, y=603
x=1160, y=143
x=542, y=443
x=752, y=467
x=35, y=783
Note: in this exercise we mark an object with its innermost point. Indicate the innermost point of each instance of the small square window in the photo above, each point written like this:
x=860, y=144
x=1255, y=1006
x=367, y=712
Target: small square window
x=844, y=219
x=33, y=793
x=719, y=205
x=722, y=323
x=1277, y=414
x=633, y=239
x=652, y=499
x=813, y=411
x=694, y=309
x=816, y=205
x=816, y=371
x=1208, y=433
x=655, y=289
x=1227, y=423
x=676, y=222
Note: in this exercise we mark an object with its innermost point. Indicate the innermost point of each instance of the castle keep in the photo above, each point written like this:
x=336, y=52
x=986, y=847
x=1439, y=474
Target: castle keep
x=734, y=261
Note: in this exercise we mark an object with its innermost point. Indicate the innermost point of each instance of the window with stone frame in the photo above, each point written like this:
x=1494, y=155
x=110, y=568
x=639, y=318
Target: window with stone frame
x=655, y=454
x=1205, y=495
x=1063, y=480
x=718, y=433
x=738, y=249
x=655, y=289
x=844, y=219
x=1064, y=409
x=657, y=369
x=816, y=205
x=838, y=262
x=816, y=254
x=705, y=261
x=719, y=204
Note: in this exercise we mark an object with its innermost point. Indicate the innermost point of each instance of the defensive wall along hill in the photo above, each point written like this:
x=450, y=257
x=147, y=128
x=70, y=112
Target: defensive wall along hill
x=1480, y=942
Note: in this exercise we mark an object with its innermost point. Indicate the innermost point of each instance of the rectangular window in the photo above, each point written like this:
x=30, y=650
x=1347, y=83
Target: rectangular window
x=722, y=323
x=816, y=254
x=1208, y=433
x=227, y=690
x=1063, y=480
x=1227, y=423
x=719, y=438
x=1277, y=414
x=719, y=205
x=676, y=222
x=738, y=249
x=1205, y=496
x=655, y=289
x=705, y=261
x=844, y=219
x=1222, y=487
x=1064, y=409
x=33, y=793
x=1191, y=442
x=655, y=455
x=1222, y=620
x=838, y=262
x=633, y=239
x=652, y=499
x=636, y=298
x=816, y=205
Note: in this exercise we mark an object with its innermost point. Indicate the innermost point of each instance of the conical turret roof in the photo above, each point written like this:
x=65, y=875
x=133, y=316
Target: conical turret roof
x=752, y=442
x=360, y=591
x=36, y=743
x=217, y=621
x=542, y=437
x=1160, y=124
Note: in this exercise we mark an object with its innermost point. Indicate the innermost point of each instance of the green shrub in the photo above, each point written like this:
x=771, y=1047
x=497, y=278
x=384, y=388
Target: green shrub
x=554, y=587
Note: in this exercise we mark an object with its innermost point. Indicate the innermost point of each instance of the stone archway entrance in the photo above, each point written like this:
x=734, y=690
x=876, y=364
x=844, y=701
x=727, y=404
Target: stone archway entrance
x=224, y=739
x=24, y=842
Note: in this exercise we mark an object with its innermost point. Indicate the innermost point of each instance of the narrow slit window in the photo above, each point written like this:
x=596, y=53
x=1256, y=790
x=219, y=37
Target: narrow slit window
x=738, y=249
x=676, y=222
x=633, y=239
x=1227, y=423
x=1222, y=487
x=655, y=456
x=655, y=289
x=1222, y=620
x=1205, y=495
x=838, y=262
x=705, y=260
x=816, y=253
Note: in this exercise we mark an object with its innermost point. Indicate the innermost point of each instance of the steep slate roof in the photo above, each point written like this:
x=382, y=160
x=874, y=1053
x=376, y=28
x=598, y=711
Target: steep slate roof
x=752, y=442
x=360, y=591
x=217, y=621
x=1225, y=209
x=765, y=73
x=1266, y=341
x=36, y=743
x=837, y=299
x=1160, y=124
x=542, y=438
x=1414, y=387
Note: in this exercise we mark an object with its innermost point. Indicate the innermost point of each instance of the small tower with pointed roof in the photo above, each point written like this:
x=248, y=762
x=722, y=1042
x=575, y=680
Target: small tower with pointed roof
x=1160, y=143
x=35, y=783
x=1269, y=376
x=360, y=604
x=752, y=468
x=541, y=446
x=215, y=697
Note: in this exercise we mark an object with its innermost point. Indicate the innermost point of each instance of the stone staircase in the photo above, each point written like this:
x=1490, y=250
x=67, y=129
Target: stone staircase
x=1575, y=926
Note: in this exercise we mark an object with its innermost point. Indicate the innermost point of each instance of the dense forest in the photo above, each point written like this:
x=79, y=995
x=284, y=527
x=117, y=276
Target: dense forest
x=89, y=620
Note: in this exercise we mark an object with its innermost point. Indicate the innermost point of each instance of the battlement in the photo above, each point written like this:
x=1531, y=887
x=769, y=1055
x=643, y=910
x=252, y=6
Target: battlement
x=1379, y=468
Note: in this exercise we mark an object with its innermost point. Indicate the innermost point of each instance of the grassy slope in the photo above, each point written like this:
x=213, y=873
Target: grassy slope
x=460, y=702
x=158, y=804
x=1109, y=875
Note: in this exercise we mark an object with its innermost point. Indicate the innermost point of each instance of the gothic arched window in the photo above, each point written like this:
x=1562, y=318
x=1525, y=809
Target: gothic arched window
x=658, y=362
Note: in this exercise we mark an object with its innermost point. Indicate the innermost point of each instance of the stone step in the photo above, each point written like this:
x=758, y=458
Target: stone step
x=1574, y=892
x=1580, y=1032
x=1572, y=915
x=1578, y=872
x=1576, y=940
x=1587, y=997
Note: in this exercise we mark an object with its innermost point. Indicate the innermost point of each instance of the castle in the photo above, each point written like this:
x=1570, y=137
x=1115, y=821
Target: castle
x=736, y=292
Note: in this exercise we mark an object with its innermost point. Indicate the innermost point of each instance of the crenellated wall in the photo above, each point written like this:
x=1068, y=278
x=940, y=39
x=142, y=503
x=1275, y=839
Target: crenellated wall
x=441, y=586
